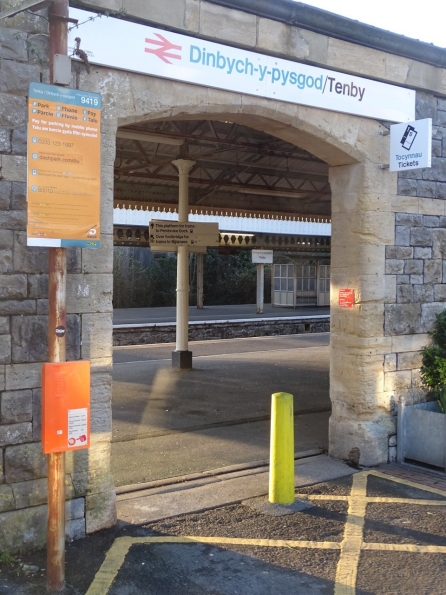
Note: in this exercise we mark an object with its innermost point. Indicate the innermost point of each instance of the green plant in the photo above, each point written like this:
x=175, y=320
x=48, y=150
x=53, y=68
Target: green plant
x=433, y=369
x=7, y=559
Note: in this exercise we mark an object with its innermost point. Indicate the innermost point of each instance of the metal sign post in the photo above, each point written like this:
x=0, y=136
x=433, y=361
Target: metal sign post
x=58, y=17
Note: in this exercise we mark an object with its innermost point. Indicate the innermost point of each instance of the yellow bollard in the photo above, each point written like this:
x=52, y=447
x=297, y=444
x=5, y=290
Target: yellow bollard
x=281, y=467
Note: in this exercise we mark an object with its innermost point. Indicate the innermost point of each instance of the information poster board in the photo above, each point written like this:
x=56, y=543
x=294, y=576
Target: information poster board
x=346, y=298
x=64, y=166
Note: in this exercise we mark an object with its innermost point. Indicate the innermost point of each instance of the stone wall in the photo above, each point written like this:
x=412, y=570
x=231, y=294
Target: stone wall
x=24, y=322
x=150, y=334
x=417, y=261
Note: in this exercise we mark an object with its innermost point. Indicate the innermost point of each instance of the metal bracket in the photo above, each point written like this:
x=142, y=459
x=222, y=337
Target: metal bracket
x=384, y=132
x=383, y=166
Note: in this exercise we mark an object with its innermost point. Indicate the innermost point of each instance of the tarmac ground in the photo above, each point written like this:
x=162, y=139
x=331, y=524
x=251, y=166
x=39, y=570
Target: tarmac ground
x=362, y=532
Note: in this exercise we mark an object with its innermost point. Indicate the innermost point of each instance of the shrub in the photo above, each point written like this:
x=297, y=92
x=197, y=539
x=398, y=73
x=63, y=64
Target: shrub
x=433, y=369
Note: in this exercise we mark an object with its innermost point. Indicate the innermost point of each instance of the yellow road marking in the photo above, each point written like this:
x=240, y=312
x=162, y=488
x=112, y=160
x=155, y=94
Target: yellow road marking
x=350, y=547
x=347, y=570
x=406, y=482
x=110, y=567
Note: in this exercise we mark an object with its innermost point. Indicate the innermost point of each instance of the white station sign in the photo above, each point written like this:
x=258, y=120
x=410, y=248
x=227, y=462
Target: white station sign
x=182, y=58
x=173, y=233
x=262, y=256
x=411, y=145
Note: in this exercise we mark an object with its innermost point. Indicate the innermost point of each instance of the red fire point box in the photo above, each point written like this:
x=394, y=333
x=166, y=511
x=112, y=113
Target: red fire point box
x=65, y=406
x=346, y=298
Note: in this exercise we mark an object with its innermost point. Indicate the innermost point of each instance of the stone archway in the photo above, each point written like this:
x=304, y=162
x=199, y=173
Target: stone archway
x=361, y=420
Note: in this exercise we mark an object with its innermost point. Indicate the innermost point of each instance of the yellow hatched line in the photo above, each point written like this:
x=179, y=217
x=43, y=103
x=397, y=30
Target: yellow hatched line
x=373, y=499
x=405, y=547
x=406, y=482
x=347, y=570
x=113, y=561
x=289, y=543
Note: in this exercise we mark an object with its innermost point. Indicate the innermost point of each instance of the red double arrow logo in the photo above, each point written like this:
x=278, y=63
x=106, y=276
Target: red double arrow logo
x=165, y=46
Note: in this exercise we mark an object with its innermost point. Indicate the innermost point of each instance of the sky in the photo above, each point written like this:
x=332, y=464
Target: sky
x=419, y=19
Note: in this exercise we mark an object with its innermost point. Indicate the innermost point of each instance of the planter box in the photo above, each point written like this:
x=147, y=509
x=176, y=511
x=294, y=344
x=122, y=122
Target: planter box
x=422, y=434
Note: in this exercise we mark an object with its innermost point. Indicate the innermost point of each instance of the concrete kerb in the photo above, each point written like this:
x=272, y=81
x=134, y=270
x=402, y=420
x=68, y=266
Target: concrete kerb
x=165, y=501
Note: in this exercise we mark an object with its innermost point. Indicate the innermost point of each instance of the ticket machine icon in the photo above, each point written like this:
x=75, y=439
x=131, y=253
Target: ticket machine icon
x=408, y=137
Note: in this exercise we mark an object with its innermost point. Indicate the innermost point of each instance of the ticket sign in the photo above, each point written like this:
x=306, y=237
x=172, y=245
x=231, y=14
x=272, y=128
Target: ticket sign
x=65, y=406
x=346, y=298
x=64, y=164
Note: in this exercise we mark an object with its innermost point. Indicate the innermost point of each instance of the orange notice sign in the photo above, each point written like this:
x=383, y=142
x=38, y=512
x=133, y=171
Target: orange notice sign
x=65, y=406
x=64, y=165
x=346, y=298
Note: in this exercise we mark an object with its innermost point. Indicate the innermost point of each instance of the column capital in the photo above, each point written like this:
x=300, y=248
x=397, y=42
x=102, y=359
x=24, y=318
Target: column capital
x=183, y=165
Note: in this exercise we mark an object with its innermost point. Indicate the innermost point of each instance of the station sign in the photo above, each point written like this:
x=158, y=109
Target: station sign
x=174, y=233
x=169, y=55
x=64, y=167
x=262, y=256
x=411, y=145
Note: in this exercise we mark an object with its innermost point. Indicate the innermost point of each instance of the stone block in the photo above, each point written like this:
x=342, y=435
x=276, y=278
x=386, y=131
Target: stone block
x=15, y=76
x=13, y=287
x=30, y=338
x=16, y=433
x=407, y=187
x=97, y=337
x=441, y=188
x=394, y=267
x=408, y=219
x=433, y=271
x=392, y=454
x=431, y=220
x=75, y=529
x=413, y=267
x=402, y=319
x=426, y=106
x=100, y=511
x=22, y=308
x=16, y=406
x=421, y=236
x=18, y=196
x=13, y=44
x=101, y=417
x=409, y=360
x=35, y=492
x=90, y=293
x=19, y=141
x=428, y=315
x=74, y=259
x=439, y=243
x=15, y=220
x=5, y=203
x=13, y=167
x=369, y=437
x=100, y=260
x=402, y=279
x=37, y=414
x=42, y=307
x=28, y=259
x=394, y=381
x=423, y=293
x=237, y=27
x=404, y=294
x=421, y=252
x=416, y=279
x=7, y=501
x=5, y=143
x=402, y=235
x=439, y=293
x=101, y=387
x=38, y=286
x=436, y=173
x=426, y=189
x=13, y=110
x=5, y=349
x=25, y=462
x=5, y=261
x=390, y=362
x=436, y=148
x=23, y=529
x=431, y=206
x=399, y=252
x=4, y=325
x=6, y=239
x=19, y=376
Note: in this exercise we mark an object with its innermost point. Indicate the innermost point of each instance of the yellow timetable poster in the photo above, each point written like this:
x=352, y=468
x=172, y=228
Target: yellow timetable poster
x=64, y=167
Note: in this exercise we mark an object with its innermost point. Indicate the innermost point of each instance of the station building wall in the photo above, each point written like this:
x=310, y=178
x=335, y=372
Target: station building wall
x=388, y=244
